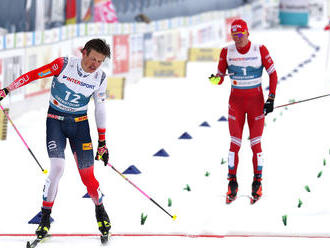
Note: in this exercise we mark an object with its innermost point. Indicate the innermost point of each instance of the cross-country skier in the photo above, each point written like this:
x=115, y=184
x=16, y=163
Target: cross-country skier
x=245, y=62
x=75, y=80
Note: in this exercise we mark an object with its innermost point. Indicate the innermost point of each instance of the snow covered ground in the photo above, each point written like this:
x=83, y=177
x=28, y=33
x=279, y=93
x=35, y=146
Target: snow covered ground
x=155, y=112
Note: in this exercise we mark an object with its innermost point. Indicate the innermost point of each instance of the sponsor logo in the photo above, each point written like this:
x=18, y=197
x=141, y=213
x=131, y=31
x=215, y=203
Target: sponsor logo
x=45, y=190
x=75, y=81
x=55, y=67
x=235, y=27
x=57, y=117
x=81, y=118
x=66, y=109
x=87, y=146
x=24, y=79
x=52, y=145
x=101, y=94
x=55, y=102
x=44, y=73
x=243, y=59
x=248, y=83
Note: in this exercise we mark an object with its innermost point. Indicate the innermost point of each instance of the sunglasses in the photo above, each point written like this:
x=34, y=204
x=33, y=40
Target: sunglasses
x=238, y=34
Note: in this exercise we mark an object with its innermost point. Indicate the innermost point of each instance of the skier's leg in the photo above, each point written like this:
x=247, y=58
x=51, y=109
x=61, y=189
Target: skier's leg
x=256, y=125
x=236, y=120
x=82, y=149
x=56, y=143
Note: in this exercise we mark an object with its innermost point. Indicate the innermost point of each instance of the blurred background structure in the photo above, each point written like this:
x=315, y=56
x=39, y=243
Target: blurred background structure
x=30, y=15
x=142, y=33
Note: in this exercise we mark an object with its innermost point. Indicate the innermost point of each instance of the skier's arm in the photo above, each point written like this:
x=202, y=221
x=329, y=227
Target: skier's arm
x=222, y=65
x=100, y=111
x=52, y=69
x=100, y=119
x=268, y=63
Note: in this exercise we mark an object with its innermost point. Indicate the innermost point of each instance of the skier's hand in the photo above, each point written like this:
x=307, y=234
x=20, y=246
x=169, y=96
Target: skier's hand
x=3, y=93
x=216, y=79
x=102, y=153
x=269, y=106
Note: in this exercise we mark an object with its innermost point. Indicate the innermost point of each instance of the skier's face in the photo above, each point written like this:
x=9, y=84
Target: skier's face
x=92, y=61
x=240, y=38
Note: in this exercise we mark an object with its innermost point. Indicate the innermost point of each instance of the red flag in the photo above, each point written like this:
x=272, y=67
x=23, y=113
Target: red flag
x=71, y=12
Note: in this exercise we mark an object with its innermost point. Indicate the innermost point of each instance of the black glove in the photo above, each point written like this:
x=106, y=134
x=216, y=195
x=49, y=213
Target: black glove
x=102, y=153
x=268, y=106
x=3, y=93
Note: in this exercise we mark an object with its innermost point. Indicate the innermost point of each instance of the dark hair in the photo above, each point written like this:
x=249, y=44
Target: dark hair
x=99, y=46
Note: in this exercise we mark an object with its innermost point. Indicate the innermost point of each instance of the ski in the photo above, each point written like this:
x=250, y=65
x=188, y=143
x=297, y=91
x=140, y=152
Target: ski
x=32, y=244
x=35, y=242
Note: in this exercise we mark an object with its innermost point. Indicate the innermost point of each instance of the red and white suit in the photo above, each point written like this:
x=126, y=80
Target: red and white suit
x=246, y=99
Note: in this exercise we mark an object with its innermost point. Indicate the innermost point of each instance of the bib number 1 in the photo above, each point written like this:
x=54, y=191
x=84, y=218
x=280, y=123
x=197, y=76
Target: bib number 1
x=244, y=71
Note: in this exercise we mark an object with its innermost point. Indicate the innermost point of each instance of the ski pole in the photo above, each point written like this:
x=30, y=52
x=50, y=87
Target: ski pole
x=226, y=74
x=305, y=100
x=123, y=176
x=222, y=75
x=12, y=123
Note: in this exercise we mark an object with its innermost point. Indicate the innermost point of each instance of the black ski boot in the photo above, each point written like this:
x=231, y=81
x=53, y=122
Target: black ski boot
x=103, y=222
x=256, y=189
x=44, y=224
x=232, y=189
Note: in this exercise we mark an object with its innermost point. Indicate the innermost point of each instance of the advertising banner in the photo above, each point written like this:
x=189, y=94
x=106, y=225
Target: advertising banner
x=185, y=44
x=204, y=54
x=10, y=41
x=294, y=12
x=147, y=46
x=2, y=42
x=19, y=40
x=3, y=124
x=159, y=46
x=115, y=88
x=136, y=51
x=121, y=52
x=173, y=45
x=57, y=10
x=165, y=69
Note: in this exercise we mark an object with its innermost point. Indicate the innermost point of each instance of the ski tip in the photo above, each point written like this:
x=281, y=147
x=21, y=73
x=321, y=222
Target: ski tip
x=174, y=217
